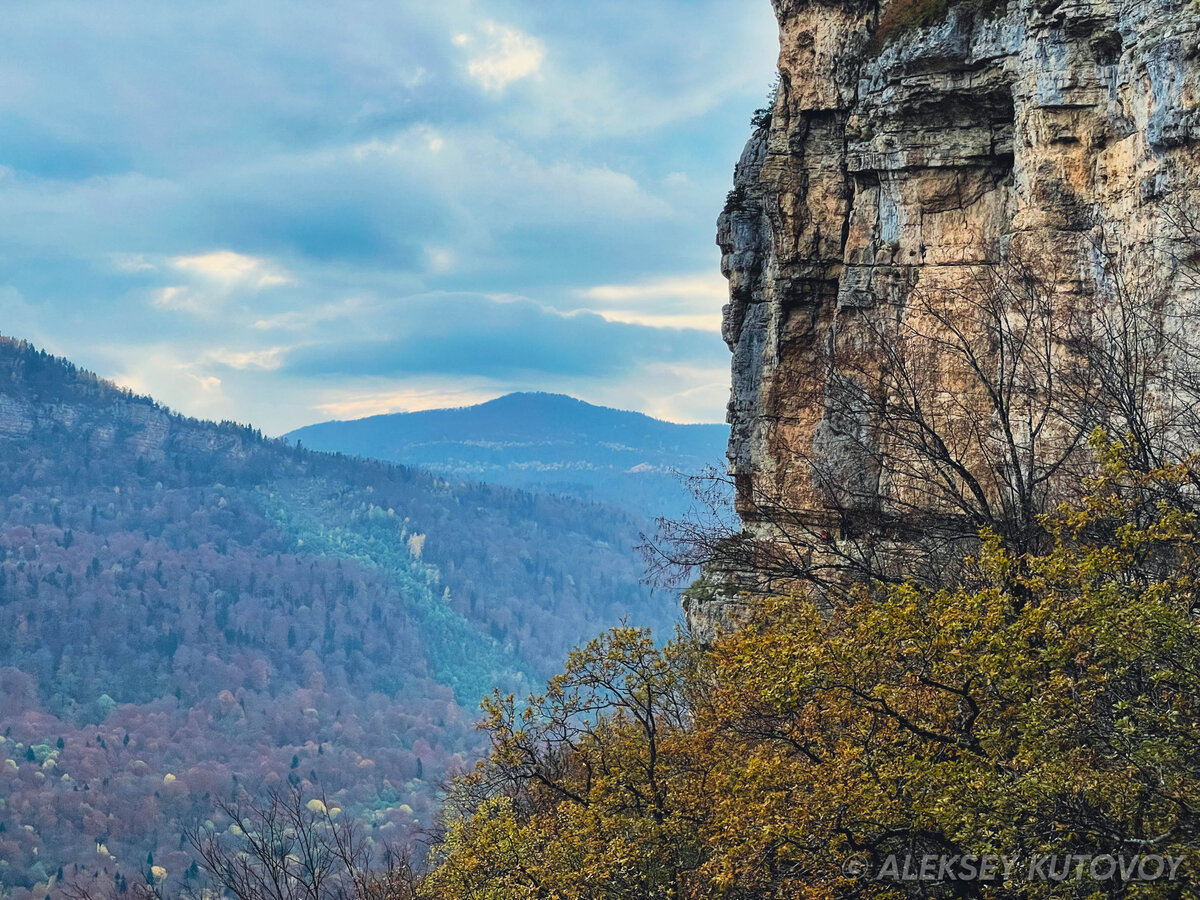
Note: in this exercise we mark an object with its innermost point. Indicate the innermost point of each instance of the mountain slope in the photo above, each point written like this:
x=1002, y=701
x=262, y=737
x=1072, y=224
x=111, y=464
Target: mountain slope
x=545, y=442
x=186, y=607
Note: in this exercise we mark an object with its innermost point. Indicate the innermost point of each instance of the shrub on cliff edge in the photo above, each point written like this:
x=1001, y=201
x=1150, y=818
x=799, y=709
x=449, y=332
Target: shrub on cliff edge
x=1053, y=712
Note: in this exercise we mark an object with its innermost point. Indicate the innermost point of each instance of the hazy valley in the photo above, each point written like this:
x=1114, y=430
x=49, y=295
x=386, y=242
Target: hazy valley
x=188, y=608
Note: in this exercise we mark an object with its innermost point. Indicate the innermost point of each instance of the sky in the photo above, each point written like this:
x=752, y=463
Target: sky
x=287, y=212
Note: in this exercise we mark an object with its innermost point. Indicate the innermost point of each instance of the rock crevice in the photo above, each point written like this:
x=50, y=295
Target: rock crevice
x=893, y=165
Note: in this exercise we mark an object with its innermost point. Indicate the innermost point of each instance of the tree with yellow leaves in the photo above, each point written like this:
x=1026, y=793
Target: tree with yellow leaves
x=587, y=789
x=1034, y=734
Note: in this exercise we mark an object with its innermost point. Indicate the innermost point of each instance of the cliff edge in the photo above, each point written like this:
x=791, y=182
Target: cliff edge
x=912, y=144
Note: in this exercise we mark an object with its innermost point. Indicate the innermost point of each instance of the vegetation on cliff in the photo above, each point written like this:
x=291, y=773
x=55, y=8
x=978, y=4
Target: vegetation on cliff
x=989, y=651
x=1048, y=709
x=898, y=16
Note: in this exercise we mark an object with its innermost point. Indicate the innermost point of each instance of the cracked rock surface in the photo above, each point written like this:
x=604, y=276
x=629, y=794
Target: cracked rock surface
x=896, y=161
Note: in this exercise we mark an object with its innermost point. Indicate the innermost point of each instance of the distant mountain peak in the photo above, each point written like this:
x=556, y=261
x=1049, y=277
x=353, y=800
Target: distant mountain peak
x=540, y=401
x=540, y=441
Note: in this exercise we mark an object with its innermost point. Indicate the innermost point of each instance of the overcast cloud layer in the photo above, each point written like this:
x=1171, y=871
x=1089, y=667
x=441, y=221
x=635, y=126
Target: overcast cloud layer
x=286, y=212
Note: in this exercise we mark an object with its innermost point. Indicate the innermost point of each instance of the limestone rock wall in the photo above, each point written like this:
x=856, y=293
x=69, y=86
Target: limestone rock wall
x=892, y=163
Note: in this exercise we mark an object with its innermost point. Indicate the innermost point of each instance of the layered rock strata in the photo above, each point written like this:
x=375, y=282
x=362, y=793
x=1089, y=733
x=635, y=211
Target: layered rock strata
x=896, y=158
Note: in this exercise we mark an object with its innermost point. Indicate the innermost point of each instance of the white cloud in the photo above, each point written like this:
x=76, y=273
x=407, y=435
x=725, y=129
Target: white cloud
x=174, y=376
x=505, y=55
x=441, y=259
x=361, y=405
x=413, y=148
x=208, y=385
x=684, y=301
x=499, y=182
x=674, y=392
x=177, y=296
x=399, y=145
x=24, y=320
x=131, y=262
x=705, y=286
x=708, y=321
x=266, y=360
x=215, y=278
x=234, y=269
x=303, y=319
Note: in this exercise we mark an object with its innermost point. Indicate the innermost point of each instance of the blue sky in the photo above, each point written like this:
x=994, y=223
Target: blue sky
x=282, y=213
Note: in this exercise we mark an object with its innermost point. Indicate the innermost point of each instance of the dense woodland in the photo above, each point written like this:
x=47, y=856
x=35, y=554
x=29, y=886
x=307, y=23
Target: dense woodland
x=1032, y=732
x=189, y=610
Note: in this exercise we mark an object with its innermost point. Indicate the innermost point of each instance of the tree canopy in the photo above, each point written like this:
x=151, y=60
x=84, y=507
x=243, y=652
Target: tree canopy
x=1043, y=716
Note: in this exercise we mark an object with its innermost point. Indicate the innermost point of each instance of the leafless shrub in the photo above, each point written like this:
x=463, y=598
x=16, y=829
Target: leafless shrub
x=281, y=847
x=967, y=406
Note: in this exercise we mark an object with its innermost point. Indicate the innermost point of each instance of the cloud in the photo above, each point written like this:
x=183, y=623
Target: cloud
x=312, y=316
x=183, y=381
x=24, y=320
x=357, y=406
x=678, y=60
x=441, y=259
x=704, y=321
x=217, y=278
x=132, y=263
x=685, y=393
x=474, y=335
x=231, y=269
x=179, y=297
x=245, y=193
x=706, y=286
x=497, y=179
x=209, y=385
x=266, y=360
x=504, y=55
x=687, y=301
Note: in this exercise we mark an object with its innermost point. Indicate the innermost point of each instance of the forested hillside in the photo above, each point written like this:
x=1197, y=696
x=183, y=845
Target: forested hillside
x=544, y=442
x=187, y=607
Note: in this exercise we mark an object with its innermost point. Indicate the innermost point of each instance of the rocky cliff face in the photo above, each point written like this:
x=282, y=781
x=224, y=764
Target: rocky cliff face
x=897, y=158
x=43, y=396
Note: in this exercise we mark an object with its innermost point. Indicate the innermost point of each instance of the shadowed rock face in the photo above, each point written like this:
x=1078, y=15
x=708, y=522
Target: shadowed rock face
x=897, y=161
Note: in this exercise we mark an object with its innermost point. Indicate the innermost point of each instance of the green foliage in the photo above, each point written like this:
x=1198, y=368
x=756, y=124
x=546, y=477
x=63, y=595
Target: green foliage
x=763, y=115
x=579, y=796
x=317, y=523
x=898, y=16
x=734, y=199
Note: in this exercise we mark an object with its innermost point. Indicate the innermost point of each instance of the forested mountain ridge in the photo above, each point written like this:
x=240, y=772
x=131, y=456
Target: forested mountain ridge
x=539, y=441
x=187, y=606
